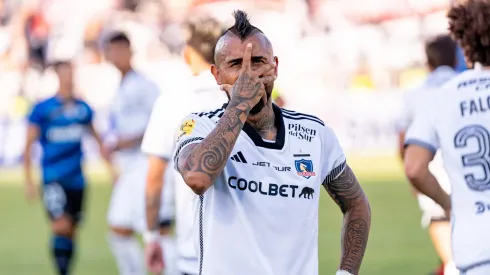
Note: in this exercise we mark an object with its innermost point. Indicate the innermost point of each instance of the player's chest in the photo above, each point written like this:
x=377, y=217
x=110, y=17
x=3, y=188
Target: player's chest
x=290, y=173
x=128, y=102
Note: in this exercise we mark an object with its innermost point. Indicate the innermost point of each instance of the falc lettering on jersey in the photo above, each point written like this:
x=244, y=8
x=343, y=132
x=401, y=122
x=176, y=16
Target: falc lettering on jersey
x=475, y=106
x=301, y=132
x=270, y=189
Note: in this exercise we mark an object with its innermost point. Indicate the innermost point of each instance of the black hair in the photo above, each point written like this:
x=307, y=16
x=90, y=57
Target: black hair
x=118, y=37
x=242, y=27
x=441, y=51
x=203, y=34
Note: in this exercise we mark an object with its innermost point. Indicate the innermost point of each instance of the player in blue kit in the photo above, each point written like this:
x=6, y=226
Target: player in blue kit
x=59, y=123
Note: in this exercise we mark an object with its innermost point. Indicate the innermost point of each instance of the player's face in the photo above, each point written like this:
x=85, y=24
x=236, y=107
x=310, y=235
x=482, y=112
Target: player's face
x=230, y=63
x=119, y=54
x=65, y=75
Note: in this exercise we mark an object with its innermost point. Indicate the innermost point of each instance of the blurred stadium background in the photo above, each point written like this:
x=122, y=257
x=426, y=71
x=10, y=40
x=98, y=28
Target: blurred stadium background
x=346, y=62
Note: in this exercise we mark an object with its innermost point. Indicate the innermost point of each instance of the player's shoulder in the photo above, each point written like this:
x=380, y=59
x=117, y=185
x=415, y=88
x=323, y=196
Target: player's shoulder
x=465, y=78
x=211, y=114
x=45, y=103
x=302, y=118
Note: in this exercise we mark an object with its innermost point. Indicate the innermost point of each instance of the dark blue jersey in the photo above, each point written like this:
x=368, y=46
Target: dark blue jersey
x=62, y=126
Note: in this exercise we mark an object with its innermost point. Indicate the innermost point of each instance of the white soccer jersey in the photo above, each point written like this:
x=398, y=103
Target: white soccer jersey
x=261, y=214
x=456, y=119
x=412, y=102
x=201, y=93
x=130, y=112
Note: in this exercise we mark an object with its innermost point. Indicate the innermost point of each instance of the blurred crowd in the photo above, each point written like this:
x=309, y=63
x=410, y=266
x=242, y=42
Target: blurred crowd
x=325, y=47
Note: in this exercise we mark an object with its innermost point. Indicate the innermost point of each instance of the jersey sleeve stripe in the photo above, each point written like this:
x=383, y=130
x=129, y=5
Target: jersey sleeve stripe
x=294, y=114
x=182, y=145
x=209, y=114
x=302, y=118
x=335, y=173
x=422, y=144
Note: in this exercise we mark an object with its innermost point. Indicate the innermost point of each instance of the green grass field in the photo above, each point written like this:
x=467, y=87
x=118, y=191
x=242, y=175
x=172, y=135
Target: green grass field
x=397, y=244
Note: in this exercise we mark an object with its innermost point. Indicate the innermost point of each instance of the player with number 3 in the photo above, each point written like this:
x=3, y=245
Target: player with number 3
x=456, y=120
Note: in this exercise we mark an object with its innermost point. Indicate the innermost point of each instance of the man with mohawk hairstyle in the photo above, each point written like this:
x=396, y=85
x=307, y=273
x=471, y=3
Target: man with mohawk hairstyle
x=257, y=181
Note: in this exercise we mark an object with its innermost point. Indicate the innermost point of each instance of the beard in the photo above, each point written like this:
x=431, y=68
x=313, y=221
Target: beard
x=260, y=105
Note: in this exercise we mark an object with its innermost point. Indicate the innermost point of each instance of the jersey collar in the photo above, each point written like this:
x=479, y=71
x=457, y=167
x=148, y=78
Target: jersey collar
x=257, y=139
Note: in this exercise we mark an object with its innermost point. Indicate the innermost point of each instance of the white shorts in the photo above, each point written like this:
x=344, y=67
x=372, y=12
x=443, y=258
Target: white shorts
x=430, y=210
x=127, y=205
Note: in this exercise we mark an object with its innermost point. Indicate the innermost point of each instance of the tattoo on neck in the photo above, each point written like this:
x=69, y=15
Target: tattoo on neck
x=263, y=123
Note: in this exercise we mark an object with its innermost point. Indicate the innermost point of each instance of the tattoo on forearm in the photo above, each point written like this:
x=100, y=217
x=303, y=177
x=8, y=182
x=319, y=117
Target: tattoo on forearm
x=152, y=209
x=210, y=156
x=348, y=194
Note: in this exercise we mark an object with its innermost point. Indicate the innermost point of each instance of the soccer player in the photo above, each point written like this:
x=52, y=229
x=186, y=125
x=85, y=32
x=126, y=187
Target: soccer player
x=456, y=120
x=59, y=124
x=258, y=170
x=159, y=141
x=130, y=111
x=441, y=61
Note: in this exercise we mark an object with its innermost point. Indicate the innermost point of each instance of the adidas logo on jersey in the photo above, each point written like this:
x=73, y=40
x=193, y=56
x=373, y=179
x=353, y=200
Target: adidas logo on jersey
x=238, y=157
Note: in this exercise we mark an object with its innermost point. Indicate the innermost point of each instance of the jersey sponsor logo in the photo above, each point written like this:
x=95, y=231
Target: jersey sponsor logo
x=186, y=128
x=482, y=207
x=70, y=133
x=238, y=157
x=307, y=192
x=301, y=132
x=266, y=189
x=267, y=164
x=304, y=168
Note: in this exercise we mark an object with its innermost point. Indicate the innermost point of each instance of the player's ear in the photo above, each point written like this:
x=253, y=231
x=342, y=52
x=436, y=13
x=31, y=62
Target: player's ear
x=276, y=60
x=215, y=72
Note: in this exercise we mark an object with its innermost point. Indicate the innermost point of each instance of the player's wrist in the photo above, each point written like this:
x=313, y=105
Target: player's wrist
x=343, y=272
x=151, y=236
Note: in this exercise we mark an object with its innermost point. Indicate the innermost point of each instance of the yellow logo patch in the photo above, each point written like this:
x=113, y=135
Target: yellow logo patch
x=186, y=128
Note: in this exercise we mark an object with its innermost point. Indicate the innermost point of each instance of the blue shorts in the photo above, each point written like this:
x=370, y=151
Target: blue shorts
x=60, y=201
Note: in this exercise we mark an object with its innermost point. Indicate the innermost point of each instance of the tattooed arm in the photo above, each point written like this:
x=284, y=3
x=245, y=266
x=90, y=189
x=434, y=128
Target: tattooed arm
x=349, y=196
x=200, y=164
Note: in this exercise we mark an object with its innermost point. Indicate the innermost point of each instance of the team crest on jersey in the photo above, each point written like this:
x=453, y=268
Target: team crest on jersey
x=186, y=128
x=304, y=168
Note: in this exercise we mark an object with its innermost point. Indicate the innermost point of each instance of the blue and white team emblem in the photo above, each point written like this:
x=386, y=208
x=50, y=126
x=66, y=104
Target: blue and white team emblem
x=304, y=168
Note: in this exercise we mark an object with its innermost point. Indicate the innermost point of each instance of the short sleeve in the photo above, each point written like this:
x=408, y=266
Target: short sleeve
x=405, y=116
x=422, y=132
x=90, y=114
x=192, y=129
x=159, y=138
x=333, y=157
x=35, y=116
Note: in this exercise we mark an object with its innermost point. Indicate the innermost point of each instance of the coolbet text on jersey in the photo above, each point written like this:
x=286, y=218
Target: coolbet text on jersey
x=456, y=119
x=261, y=214
x=61, y=127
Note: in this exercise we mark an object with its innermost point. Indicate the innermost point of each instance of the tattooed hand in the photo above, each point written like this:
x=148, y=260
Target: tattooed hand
x=249, y=88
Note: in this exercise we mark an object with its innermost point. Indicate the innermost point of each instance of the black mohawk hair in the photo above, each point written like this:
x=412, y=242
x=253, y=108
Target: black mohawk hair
x=242, y=27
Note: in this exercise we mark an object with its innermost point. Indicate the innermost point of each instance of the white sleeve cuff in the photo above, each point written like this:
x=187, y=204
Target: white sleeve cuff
x=343, y=272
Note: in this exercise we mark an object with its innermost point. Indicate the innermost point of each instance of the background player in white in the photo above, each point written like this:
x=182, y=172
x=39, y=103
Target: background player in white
x=199, y=94
x=258, y=211
x=441, y=61
x=130, y=112
x=456, y=119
